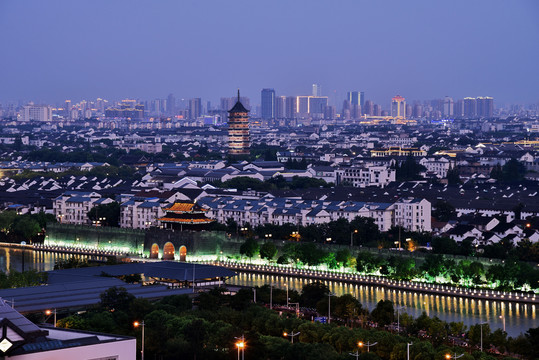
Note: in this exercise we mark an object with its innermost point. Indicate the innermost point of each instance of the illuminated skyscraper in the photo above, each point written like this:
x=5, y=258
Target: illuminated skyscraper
x=398, y=107
x=238, y=129
x=268, y=104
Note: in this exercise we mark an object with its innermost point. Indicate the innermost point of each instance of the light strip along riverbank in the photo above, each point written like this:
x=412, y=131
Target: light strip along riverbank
x=412, y=286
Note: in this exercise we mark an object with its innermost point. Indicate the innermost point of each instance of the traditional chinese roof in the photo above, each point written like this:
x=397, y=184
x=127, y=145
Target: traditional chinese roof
x=184, y=207
x=185, y=221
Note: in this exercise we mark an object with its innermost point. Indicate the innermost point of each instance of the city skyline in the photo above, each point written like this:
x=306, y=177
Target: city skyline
x=192, y=50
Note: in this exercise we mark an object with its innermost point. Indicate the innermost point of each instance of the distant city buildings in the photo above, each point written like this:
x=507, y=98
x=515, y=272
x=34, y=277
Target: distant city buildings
x=32, y=112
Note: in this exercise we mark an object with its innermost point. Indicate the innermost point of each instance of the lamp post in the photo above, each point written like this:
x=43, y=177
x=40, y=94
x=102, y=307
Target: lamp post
x=285, y=334
x=368, y=345
x=51, y=312
x=352, y=237
x=329, y=306
x=240, y=344
x=137, y=324
x=408, y=350
x=454, y=356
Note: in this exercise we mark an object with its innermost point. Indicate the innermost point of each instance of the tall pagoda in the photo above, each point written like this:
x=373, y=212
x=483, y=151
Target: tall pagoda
x=238, y=129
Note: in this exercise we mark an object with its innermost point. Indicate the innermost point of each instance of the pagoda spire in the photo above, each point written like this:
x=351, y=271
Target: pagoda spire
x=238, y=95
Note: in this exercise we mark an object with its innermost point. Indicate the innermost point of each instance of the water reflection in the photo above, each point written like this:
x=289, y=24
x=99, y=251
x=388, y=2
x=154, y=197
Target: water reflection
x=12, y=259
x=518, y=317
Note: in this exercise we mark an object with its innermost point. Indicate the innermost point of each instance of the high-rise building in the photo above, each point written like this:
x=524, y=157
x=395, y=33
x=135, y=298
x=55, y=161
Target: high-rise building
x=280, y=107
x=317, y=104
x=302, y=105
x=291, y=107
x=355, y=99
x=238, y=129
x=448, y=107
x=470, y=107
x=330, y=112
x=459, y=108
x=485, y=107
x=317, y=90
x=368, y=109
x=377, y=110
x=417, y=111
x=195, y=108
x=33, y=112
x=171, y=105
x=268, y=104
x=398, y=107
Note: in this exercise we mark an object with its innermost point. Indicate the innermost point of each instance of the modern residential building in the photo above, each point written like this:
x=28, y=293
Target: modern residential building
x=485, y=107
x=470, y=107
x=414, y=214
x=72, y=207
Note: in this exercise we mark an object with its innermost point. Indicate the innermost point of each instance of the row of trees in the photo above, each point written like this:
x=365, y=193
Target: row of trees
x=363, y=231
x=208, y=330
x=27, y=227
x=510, y=275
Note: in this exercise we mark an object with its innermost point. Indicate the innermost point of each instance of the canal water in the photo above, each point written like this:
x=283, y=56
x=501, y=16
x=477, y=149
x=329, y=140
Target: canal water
x=518, y=317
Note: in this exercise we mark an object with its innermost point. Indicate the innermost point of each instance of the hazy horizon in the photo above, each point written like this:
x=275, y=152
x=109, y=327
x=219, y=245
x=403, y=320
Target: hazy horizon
x=60, y=49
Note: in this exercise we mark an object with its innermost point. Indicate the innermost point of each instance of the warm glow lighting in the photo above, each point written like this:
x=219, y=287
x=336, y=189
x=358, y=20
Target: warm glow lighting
x=447, y=356
x=136, y=324
x=240, y=344
x=285, y=334
x=360, y=344
x=48, y=312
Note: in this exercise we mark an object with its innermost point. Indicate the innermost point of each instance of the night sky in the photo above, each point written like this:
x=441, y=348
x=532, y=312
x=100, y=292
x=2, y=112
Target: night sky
x=63, y=49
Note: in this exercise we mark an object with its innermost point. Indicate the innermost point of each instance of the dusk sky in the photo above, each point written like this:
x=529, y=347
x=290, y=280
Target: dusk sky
x=58, y=49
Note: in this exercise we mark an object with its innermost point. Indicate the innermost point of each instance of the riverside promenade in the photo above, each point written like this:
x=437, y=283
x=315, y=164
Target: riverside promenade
x=412, y=286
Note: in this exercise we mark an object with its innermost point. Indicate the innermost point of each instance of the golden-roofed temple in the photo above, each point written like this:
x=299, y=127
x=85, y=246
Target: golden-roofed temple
x=185, y=216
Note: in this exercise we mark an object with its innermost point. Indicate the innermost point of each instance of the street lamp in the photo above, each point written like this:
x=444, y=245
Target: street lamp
x=352, y=237
x=368, y=345
x=268, y=236
x=329, y=306
x=51, y=312
x=408, y=350
x=454, y=356
x=240, y=344
x=137, y=324
x=285, y=334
